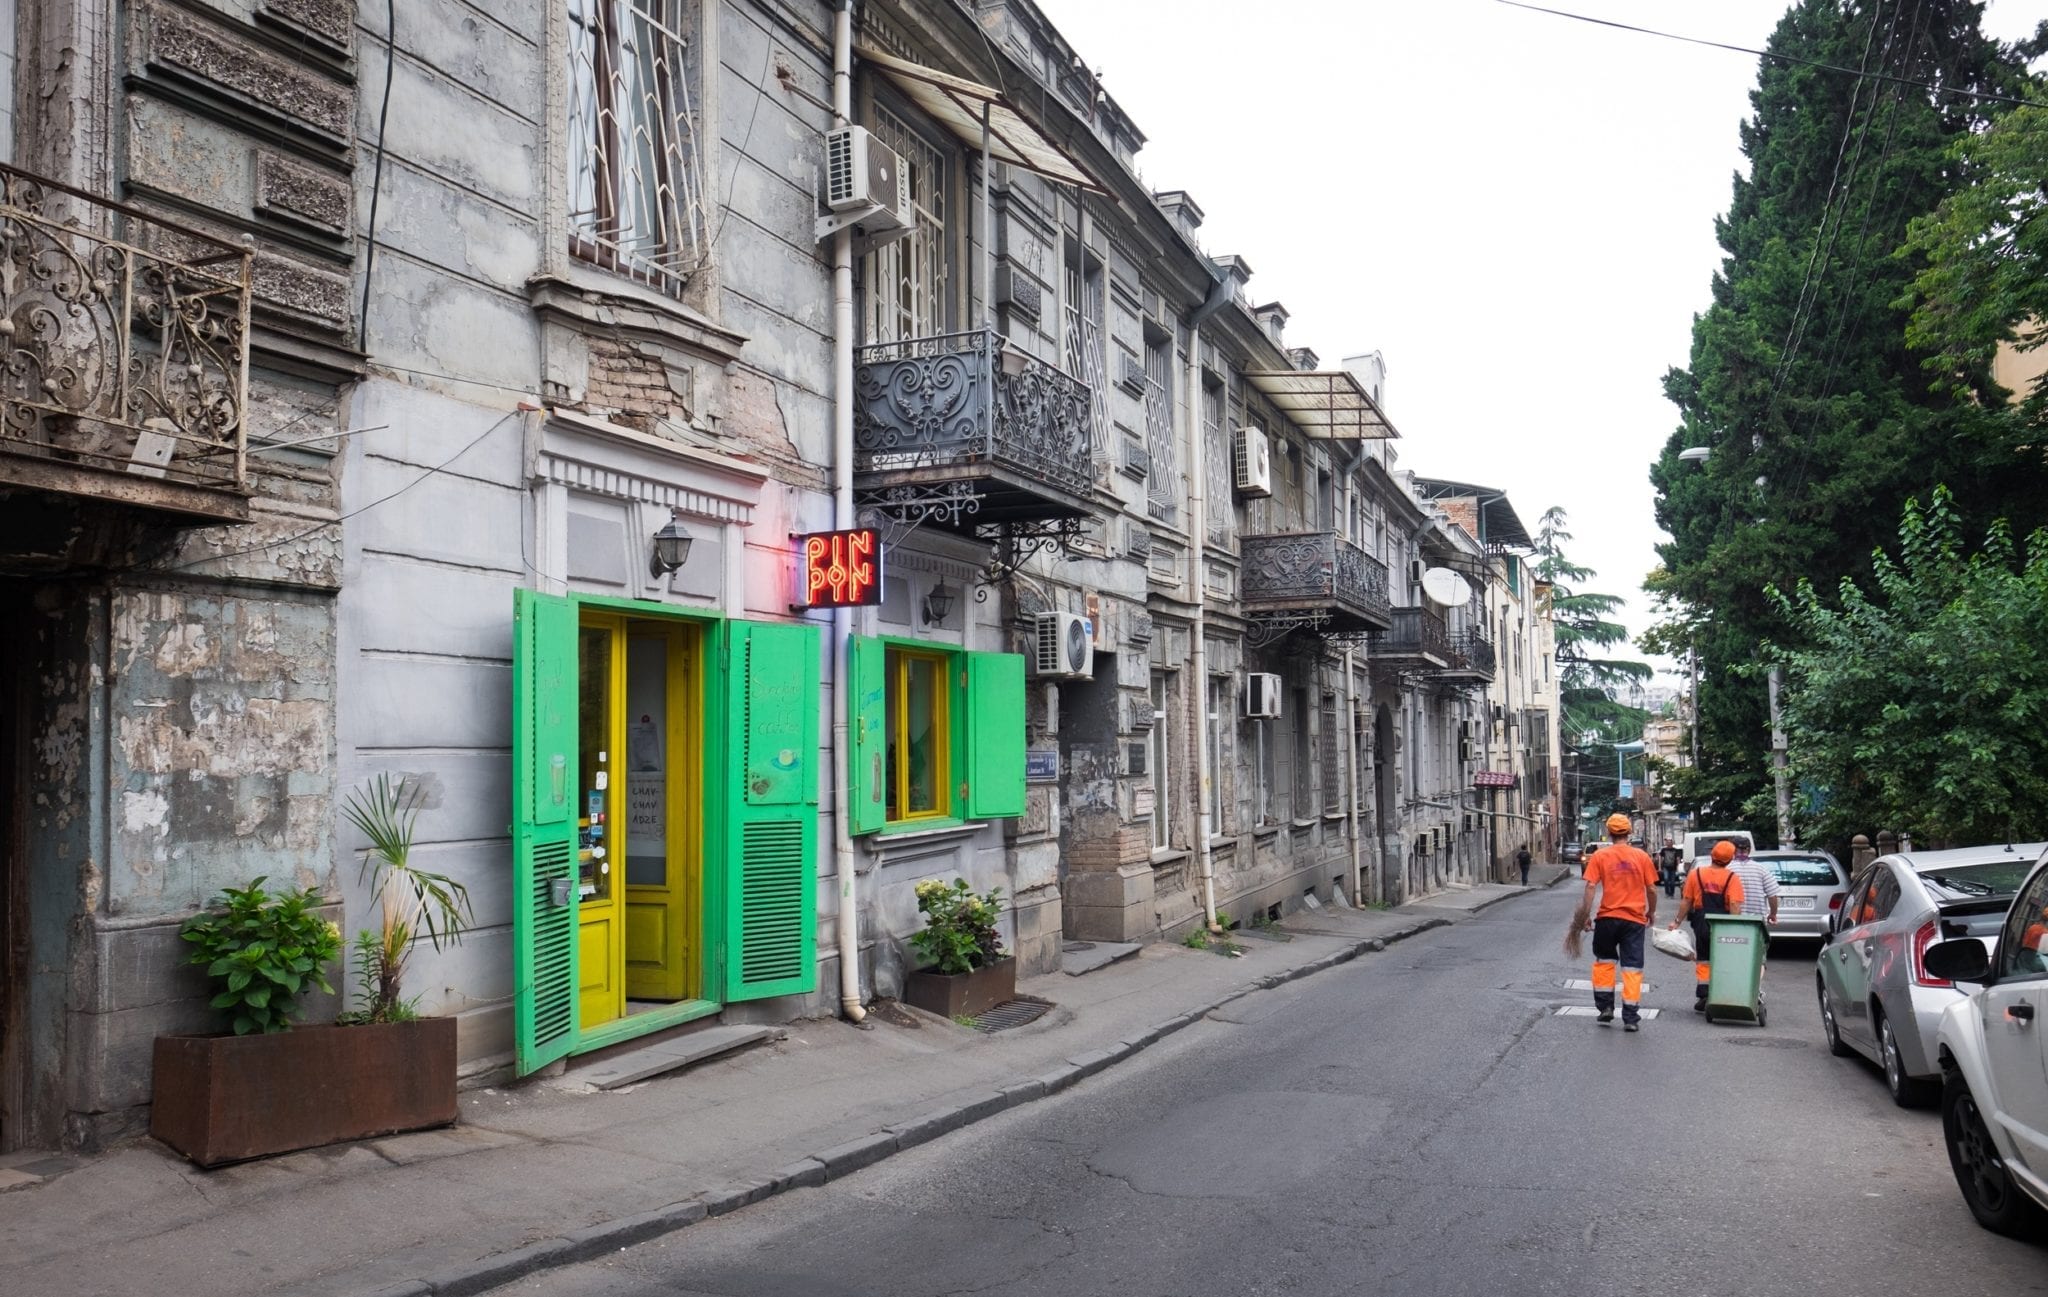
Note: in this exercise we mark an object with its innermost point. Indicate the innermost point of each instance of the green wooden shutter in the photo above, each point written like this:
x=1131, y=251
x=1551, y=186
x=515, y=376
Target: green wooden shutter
x=867, y=703
x=994, y=767
x=771, y=832
x=543, y=827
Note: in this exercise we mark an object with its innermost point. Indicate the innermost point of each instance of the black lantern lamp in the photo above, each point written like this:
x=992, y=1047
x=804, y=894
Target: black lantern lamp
x=937, y=604
x=671, y=548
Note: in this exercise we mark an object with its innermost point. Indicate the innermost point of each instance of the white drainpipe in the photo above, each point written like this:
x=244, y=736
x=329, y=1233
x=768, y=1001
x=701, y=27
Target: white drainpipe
x=1198, y=525
x=842, y=514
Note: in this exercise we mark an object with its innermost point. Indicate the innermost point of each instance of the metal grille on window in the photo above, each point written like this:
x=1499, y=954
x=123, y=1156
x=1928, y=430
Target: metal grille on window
x=1162, y=484
x=904, y=283
x=636, y=191
x=1084, y=352
x=1217, y=460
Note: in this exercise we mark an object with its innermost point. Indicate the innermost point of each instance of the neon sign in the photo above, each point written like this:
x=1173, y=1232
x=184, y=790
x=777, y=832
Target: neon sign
x=840, y=569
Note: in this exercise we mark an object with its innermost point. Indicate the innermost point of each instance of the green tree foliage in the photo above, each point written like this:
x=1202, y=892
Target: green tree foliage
x=1918, y=695
x=1802, y=381
x=1590, y=675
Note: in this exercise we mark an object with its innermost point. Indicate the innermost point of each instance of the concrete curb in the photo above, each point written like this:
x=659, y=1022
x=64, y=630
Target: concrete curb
x=844, y=1159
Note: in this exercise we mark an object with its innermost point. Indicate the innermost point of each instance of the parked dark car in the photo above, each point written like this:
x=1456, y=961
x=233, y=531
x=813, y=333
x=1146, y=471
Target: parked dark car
x=1573, y=852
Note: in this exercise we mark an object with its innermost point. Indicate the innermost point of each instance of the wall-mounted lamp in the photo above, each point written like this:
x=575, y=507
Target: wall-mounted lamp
x=937, y=604
x=671, y=548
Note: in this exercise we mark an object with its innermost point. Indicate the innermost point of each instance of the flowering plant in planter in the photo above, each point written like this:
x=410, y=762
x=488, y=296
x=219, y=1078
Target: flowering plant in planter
x=959, y=935
x=262, y=952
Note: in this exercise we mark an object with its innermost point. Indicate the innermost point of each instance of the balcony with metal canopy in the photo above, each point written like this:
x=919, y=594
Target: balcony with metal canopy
x=1472, y=659
x=124, y=354
x=1418, y=640
x=1311, y=580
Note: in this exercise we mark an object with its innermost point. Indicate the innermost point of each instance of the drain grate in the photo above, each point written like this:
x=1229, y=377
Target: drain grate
x=1010, y=1013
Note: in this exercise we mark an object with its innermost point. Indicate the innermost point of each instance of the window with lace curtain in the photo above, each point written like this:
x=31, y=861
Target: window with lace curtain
x=636, y=186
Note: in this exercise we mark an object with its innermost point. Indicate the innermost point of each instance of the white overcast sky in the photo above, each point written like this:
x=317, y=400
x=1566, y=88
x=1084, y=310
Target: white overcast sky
x=1517, y=209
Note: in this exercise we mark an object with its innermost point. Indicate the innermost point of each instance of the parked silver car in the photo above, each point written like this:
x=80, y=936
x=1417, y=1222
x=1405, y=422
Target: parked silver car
x=1876, y=997
x=1811, y=887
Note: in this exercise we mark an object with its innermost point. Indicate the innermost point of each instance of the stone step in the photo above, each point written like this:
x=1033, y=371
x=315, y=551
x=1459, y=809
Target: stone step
x=669, y=1055
x=1078, y=957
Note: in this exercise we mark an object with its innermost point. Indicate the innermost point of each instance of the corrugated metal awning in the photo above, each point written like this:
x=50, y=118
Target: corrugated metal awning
x=1327, y=404
x=959, y=104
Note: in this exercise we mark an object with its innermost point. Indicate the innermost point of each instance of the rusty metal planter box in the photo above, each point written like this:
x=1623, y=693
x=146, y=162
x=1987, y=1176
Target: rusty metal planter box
x=221, y=1099
x=955, y=995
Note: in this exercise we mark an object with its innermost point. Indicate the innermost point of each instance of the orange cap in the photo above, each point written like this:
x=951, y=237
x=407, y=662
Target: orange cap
x=1619, y=825
x=1724, y=851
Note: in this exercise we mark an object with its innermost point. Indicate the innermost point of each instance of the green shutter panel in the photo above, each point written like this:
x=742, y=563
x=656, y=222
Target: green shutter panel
x=771, y=838
x=995, y=735
x=543, y=827
x=867, y=703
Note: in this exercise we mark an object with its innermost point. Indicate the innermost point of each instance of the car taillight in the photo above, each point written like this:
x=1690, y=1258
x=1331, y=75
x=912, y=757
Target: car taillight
x=1926, y=936
x=1835, y=901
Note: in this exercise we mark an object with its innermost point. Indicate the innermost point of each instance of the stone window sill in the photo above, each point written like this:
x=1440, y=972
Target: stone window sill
x=1162, y=858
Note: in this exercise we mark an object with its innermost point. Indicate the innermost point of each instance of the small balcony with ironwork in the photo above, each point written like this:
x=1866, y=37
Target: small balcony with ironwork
x=124, y=354
x=1472, y=659
x=965, y=431
x=1311, y=580
x=1418, y=640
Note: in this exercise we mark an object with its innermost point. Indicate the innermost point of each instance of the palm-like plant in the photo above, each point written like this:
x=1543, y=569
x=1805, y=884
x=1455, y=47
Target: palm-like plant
x=410, y=899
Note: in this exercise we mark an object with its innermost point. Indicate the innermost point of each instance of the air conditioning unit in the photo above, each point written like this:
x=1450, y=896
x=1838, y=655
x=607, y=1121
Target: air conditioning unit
x=1262, y=695
x=1254, y=461
x=862, y=173
x=1060, y=646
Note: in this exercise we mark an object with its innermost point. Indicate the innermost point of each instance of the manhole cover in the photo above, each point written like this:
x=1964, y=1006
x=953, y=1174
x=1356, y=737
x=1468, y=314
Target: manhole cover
x=1011, y=1013
x=1766, y=1042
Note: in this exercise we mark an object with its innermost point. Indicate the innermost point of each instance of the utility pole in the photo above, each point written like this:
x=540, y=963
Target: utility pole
x=1780, y=769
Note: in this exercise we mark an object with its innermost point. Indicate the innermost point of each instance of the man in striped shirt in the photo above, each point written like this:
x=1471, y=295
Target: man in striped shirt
x=1759, y=885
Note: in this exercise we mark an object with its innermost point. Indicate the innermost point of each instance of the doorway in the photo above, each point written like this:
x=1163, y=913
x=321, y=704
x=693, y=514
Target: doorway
x=15, y=963
x=640, y=858
x=1384, y=776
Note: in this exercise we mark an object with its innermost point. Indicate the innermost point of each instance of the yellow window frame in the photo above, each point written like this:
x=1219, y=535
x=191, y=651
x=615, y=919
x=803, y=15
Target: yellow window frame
x=898, y=665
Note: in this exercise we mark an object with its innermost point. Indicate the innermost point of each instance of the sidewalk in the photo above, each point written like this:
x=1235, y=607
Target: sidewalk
x=547, y=1173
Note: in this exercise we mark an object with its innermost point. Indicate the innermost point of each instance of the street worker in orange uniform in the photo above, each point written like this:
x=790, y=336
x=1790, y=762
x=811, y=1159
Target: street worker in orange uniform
x=1625, y=880
x=1710, y=889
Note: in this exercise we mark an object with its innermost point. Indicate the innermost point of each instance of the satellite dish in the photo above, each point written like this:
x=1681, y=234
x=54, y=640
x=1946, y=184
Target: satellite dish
x=1445, y=587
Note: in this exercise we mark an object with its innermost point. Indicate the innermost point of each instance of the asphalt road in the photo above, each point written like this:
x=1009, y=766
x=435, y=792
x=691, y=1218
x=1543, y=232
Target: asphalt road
x=1418, y=1122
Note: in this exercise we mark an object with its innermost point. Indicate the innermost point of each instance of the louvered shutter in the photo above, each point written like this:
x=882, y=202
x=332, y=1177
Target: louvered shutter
x=544, y=769
x=867, y=704
x=771, y=837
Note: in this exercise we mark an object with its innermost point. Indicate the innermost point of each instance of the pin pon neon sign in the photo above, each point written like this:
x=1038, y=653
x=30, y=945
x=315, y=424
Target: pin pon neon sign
x=839, y=569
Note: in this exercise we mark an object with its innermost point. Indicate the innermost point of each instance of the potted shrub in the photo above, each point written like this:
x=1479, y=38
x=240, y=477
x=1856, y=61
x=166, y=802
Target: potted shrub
x=966, y=972
x=268, y=1086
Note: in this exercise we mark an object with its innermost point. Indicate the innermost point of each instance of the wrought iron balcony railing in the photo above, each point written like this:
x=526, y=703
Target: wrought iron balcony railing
x=1418, y=637
x=1313, y=572
x=1472, y=656
x=124, y=352
x=967, y=411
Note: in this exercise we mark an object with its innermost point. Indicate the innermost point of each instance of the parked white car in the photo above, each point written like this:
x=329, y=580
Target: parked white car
x=1993, y=1049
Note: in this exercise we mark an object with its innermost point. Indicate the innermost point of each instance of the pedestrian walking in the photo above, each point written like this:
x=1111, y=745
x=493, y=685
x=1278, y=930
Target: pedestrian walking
x=1623, y=878
x=1759, y=886
x=1711, y=888
x=1522, y=863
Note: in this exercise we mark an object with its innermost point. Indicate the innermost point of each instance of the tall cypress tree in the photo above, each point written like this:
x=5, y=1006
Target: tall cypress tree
x=1820, y=419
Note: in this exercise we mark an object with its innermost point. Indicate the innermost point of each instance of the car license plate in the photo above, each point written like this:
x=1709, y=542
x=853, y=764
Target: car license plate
x=1796, y=903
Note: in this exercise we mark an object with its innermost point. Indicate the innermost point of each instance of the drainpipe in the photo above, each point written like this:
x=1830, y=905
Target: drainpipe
x=1198, y=531
x=1351, y=737
x=842, y=514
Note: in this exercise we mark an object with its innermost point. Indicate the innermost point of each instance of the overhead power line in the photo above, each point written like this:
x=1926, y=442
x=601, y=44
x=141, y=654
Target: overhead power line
x=1983, y=95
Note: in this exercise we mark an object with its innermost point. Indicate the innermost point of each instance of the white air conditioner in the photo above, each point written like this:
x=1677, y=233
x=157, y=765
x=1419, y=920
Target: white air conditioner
x=862, y=174
x=1254, y=461
x=1061, y=648
x=1262, y=694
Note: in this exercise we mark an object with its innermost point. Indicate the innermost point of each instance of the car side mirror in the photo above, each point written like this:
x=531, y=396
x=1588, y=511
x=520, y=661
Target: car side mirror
x=1964, y=959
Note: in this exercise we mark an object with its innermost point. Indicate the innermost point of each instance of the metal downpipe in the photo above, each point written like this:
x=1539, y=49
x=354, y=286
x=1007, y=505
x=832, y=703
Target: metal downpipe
x=842, y=514
x=1198, y=531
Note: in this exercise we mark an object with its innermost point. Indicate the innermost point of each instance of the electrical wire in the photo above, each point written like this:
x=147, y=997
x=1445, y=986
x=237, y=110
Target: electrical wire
x=1981, y=95
x=377, y=172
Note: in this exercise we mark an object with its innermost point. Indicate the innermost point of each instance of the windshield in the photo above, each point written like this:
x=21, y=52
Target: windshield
x=1971, y=882
x=1806, y=871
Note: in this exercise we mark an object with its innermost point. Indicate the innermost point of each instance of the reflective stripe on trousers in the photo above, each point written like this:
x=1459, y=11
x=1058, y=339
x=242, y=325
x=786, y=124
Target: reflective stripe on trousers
x=1603, y=983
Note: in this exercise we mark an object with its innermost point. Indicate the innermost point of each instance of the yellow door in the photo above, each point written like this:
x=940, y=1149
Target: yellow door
x=601, y=947
x=660, y=841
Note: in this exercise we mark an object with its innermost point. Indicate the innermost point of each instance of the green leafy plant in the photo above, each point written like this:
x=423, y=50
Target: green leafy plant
x=410, y=899
x=263, y=952
x=1197, y=939
x=959, y=935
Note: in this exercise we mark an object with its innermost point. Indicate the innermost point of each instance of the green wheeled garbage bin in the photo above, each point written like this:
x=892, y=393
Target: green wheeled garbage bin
x=1735, y=983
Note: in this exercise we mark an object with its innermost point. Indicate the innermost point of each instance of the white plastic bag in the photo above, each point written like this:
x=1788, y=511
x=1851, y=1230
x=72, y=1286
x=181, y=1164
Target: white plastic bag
x=1675, y=942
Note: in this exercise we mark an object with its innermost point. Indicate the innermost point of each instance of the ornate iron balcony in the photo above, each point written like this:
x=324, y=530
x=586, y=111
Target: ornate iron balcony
x=1313, y=573
x=965, y=412
x=124, y=353
x=1418, y=638
x=1471, y=657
